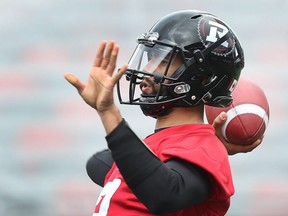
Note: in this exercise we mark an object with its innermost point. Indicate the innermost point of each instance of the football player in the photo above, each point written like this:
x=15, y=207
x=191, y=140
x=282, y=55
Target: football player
x=187, y=60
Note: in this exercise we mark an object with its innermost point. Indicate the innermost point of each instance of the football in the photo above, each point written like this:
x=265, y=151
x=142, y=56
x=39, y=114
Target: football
x=247, y=115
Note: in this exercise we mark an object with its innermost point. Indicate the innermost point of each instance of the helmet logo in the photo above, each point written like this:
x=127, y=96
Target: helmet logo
x=210, y=31
x=217, y=30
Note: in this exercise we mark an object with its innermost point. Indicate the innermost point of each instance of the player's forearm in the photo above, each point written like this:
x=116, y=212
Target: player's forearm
x=133, y=158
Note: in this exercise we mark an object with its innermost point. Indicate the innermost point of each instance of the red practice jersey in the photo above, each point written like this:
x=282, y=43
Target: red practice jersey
x=196, y=144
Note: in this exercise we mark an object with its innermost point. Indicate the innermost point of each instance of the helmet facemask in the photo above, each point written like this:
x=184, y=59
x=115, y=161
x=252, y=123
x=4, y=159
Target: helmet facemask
x=151, y=69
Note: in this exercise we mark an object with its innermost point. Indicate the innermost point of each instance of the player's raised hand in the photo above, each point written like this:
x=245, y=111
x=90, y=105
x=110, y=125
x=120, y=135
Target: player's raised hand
x=232, y=148
x=98, y=91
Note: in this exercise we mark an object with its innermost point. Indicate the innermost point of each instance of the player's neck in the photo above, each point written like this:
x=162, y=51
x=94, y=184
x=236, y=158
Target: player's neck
x=180, y=116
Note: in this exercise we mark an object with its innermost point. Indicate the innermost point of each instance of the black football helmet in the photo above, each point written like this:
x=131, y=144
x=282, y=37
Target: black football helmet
x=211, y=55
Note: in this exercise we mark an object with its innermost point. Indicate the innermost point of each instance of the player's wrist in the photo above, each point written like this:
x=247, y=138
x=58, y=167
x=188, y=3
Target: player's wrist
x=110, y=118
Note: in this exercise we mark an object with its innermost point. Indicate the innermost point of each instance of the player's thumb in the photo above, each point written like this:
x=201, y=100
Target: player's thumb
x=120, y=73
x=219, y=121
x=73, y=80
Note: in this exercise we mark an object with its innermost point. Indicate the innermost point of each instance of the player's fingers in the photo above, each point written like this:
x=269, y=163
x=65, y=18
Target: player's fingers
x=99, y=55
x=255, y=144
x=251, y=147
x=113, y=59
x=120, y=73
x=73, y=80
x=234, y=148
x=107, y=56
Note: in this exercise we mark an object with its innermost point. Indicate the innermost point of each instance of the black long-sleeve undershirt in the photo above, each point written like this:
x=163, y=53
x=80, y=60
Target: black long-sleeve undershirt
x=161, y=187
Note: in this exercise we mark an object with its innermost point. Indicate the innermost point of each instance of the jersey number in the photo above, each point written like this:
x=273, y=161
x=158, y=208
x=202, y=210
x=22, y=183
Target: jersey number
x=105, y=196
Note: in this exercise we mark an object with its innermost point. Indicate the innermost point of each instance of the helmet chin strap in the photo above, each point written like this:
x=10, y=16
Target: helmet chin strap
x=200, y=59
x=217, y=43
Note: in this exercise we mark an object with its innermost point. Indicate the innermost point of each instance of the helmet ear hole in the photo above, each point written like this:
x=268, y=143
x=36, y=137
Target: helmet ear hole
x=210, y=79
x=204, y=79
